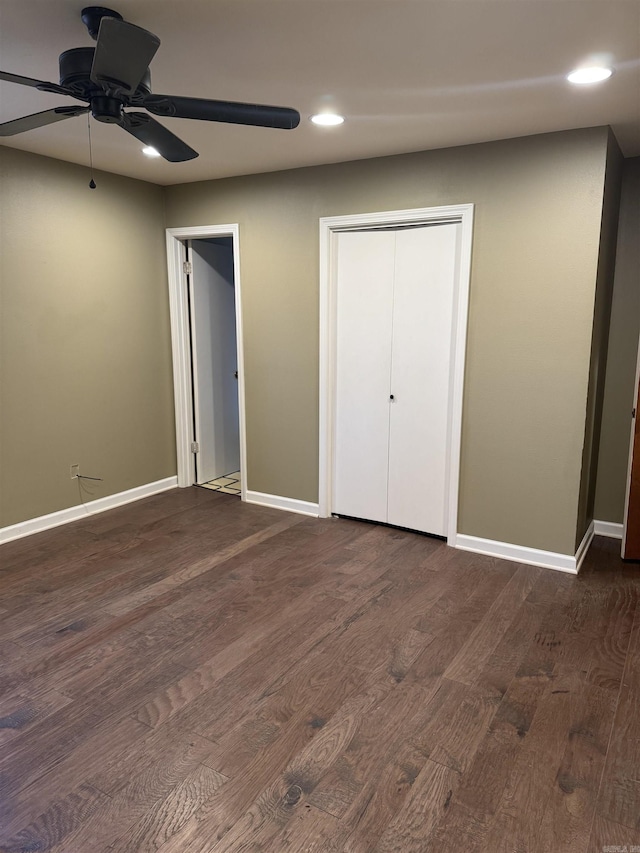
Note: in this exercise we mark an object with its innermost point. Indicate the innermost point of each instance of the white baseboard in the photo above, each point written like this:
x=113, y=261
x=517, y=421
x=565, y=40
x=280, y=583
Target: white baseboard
x=531, y=556
x=583, y=547
x=608, y=528
x=289, y=504
x=73, y=513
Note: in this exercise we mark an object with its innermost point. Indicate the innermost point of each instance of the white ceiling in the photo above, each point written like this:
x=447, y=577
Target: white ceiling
x=408, y=74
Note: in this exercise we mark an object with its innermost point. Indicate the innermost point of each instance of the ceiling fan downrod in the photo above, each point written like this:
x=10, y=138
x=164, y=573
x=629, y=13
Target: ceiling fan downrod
x=92, y=15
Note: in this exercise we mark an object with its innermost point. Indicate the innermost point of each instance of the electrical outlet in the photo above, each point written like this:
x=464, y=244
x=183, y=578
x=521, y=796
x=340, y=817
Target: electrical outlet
x=74, y=471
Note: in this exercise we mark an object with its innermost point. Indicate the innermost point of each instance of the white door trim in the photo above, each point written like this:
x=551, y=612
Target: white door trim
x=181, y=344
x=463, y=214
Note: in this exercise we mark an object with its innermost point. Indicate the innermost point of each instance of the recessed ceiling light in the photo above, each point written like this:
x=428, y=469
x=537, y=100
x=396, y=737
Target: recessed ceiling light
x=327, y=119
x=592, y=74
x=150, y=151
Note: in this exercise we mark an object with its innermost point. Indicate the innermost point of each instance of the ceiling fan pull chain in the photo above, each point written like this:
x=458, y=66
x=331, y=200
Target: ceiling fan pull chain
x=92, y=183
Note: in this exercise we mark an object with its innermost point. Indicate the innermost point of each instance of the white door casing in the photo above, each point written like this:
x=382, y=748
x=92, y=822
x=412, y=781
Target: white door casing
x=330, y=229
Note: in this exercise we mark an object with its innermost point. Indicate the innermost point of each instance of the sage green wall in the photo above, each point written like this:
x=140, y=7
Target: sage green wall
x=86, y=356
x=535, y=258
x=622, y=352
x=600, y=336
x=85, y=334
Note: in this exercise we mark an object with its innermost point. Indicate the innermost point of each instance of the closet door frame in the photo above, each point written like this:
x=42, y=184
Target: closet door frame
x=329, y=227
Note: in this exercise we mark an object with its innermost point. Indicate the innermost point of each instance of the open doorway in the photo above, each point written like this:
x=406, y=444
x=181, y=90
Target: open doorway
x=214, y=364
x=206, y=331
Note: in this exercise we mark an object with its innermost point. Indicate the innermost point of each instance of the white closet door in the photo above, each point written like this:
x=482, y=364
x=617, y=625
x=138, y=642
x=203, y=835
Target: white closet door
x=420, y=377
x=363, y=349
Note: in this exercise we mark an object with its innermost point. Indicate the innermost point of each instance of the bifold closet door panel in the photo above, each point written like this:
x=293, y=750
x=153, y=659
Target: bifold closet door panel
x=420, y=377
x=363, y=364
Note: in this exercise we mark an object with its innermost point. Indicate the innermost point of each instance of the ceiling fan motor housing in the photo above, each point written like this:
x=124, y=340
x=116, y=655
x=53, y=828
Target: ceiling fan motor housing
x=75, y=74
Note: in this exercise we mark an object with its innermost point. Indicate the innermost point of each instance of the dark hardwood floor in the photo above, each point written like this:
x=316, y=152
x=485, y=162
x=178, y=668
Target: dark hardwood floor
x=190, y=674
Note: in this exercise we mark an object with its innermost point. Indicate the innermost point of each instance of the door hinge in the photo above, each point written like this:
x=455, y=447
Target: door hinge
x=187, y=268
x=633, y=413
x=195, y=447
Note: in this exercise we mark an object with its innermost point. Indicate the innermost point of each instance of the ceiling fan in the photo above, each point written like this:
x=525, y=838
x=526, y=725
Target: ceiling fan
x=115, y=75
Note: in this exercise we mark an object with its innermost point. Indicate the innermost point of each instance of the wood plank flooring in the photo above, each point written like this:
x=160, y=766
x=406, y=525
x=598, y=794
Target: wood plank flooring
x=190, y=674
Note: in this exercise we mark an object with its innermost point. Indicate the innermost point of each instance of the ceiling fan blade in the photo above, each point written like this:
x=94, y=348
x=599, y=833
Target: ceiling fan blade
x=42, y=85
x=20, y=125
x=123, y=53
x=151, y=132
x=258, y=115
